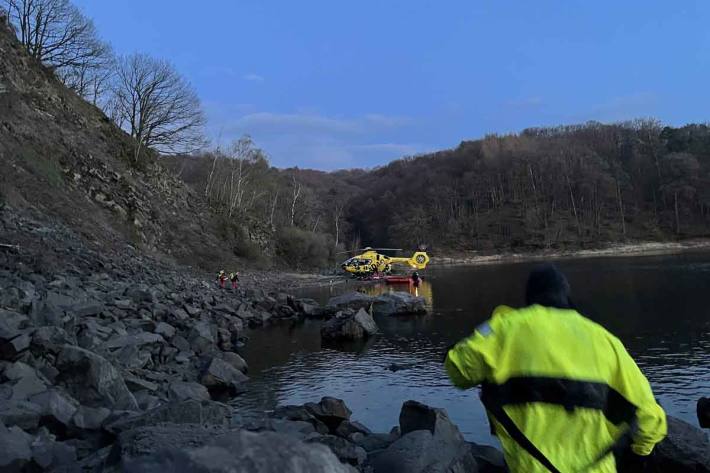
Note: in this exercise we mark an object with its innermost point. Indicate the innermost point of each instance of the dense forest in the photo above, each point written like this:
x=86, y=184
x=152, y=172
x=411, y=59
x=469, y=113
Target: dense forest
x=544, y=188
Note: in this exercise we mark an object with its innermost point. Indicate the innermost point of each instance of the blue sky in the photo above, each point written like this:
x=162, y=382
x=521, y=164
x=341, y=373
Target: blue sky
x=332, y=84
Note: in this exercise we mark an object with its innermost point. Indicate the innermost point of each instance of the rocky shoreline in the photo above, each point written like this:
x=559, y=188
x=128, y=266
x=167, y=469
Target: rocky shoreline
x=110, y=364
x=612, y=250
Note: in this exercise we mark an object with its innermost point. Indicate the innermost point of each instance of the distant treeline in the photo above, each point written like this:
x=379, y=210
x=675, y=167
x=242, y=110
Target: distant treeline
x=564, y=187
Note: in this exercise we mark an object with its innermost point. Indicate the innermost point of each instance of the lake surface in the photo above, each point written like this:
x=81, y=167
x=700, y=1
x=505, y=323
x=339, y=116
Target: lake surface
x=658, y=306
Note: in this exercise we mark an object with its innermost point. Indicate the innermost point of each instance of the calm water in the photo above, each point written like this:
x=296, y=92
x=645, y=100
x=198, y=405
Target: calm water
x=659, y=307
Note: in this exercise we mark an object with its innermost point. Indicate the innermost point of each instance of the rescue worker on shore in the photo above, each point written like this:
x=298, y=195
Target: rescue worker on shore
x=222, y=278
x=234, y=277
x=561, y=392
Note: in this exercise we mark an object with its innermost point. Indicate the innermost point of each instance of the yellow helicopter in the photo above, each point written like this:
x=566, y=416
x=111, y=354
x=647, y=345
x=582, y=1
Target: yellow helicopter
x=370, y=262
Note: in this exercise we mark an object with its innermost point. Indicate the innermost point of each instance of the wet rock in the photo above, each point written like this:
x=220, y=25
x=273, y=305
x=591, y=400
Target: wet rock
x=90, y=418
x=222, y=379
x=704, y=412
x=351, y=300
x=15, y=451
x=183, y=391
x=399, y=303
x=330, y=410
x=300, y=413
x=348, y=326
x=430, y=442
x=309, y=308
x=245, y=452
x=346, y=452
x=489, y=459
x=685, y=449
x=92, y=380
x=236, y=361
x=185, y=412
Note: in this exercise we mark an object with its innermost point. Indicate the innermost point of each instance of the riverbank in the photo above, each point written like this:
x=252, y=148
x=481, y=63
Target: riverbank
x=615, y=250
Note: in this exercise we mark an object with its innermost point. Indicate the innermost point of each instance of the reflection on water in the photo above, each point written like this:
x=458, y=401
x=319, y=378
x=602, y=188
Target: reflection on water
x=656, y=305
x=423, y=289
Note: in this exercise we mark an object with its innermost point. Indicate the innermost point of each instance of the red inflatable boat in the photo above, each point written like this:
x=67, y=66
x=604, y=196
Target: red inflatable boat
x=399, y=280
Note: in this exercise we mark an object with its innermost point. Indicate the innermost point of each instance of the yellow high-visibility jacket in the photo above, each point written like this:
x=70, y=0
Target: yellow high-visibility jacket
x=568, y=385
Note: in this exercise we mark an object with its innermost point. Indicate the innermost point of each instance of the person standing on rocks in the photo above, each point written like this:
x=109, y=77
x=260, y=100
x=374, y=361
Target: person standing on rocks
x=561, y=392
x=234, y=277
x=222, y=278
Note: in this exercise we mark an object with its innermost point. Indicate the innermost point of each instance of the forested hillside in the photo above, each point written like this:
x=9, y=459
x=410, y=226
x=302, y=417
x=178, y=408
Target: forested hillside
x=566, y=187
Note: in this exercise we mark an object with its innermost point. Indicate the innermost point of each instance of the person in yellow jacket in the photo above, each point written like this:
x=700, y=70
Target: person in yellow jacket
x=561, y=392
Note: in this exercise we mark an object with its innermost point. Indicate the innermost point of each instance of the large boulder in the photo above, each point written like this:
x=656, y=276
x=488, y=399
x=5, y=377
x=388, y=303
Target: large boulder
x=704, y=412
x=92, y=380
x=685, y=449
x=351, y=300
x=399, y=303
x=430, y=443
x=222, y=380
x=244, y=452
x=346, y=451
x=349, y=326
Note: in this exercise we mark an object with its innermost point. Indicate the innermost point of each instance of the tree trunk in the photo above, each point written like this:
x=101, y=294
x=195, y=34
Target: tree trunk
x=621, y=208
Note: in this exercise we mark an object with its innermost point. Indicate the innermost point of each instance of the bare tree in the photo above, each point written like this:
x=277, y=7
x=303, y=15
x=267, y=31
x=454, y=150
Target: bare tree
x=57, y=33
x=157, y=106
x=92, y=78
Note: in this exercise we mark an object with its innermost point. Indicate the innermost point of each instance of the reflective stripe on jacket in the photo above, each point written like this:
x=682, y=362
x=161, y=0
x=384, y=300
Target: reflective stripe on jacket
x=568, y=384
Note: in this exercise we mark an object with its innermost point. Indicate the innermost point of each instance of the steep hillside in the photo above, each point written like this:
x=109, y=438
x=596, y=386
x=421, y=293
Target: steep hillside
x=64, y=162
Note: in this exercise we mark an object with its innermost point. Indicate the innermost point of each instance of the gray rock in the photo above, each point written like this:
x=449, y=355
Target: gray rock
x=11, y=324
x=148, y=440
x=15, y=449
x=346, y=451
x=134, y=383
x=166, y=330
x=202, y=337
x=222, y=379
x=349, y=326
x=183, y=391
x=137, y=340
x=399, y=303
x=147, y=401
x=56, y=405
x=12, y=348
x=92, y=380
x=140, y=293
x=185, y=412
x=346, y=428
x=373, y=442
x=86, y=308
x=245, y=452
x=430, y=443
x=351, y=300
x=180, y=315
x=236, y=361
x=300, y=413
x=489, y=459
x=685, y=448
x=24, y=414
x=180, y=343
x=90, y=418
x=48, y=454
x=24, y=381
x=704, y=412
x=51, y=339
x=192, y=311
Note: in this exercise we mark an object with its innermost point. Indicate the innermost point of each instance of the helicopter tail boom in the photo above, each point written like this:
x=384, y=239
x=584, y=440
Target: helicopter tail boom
x=418, y=260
